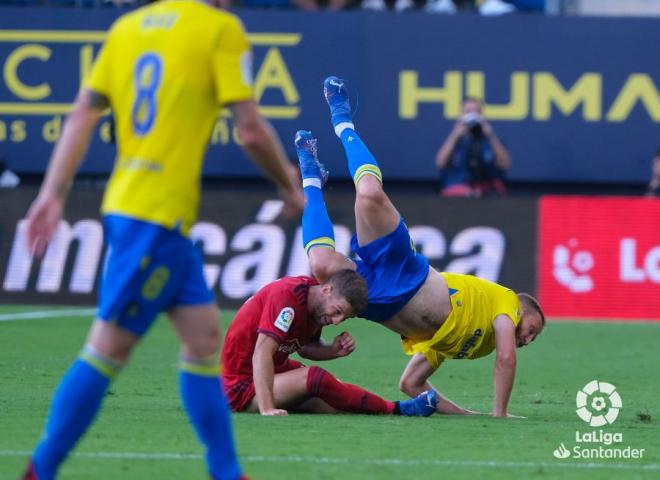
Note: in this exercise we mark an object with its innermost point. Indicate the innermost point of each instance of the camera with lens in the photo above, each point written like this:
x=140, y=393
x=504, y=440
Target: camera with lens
x=473, y=121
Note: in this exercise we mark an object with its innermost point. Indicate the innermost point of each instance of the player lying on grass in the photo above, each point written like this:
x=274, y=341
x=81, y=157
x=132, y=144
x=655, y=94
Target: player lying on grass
x=438, y=315
x=285, y=317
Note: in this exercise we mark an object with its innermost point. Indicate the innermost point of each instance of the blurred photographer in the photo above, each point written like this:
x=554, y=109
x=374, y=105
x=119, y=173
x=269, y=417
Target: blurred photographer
x=472, y=161
x=653, y=190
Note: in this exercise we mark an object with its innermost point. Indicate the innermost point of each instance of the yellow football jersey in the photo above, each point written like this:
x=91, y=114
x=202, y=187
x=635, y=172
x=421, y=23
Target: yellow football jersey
x=468, y=332
x=167, y=69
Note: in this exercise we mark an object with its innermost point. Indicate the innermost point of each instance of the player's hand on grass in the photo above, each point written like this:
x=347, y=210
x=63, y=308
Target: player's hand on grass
x=43, y=217
x=343, y=344
x=508, y=415
x=447, y=407
x=467, y=411
x=274, y=412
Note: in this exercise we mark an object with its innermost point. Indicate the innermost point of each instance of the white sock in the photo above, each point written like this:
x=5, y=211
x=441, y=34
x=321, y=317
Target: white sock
x=340, y=127
x=311, y=182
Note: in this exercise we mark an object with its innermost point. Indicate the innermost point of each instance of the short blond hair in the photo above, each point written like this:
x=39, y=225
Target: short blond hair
x=531, y=301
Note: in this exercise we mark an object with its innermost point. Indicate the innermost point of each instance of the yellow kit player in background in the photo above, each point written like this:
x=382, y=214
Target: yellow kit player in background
x=165, y=72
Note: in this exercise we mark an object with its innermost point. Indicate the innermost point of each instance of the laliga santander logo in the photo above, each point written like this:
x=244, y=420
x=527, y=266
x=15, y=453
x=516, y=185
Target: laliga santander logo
x=562, y=451
x=571, y=267
x=598, y=403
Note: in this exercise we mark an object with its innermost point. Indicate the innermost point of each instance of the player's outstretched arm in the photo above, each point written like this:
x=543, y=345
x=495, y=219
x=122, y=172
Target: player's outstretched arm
x=342, y=345
x=262, y=144
x=505, y=363
x=264, y=375
x=415, y=380
x=46, y=210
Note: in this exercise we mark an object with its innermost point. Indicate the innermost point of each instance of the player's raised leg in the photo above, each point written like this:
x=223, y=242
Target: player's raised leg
x=375, y=215
x=201, y=388
x=79, y=396
x=317, y=226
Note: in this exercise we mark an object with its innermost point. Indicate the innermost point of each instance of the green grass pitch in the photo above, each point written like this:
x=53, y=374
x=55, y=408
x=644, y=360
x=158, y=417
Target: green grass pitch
x=142, y=432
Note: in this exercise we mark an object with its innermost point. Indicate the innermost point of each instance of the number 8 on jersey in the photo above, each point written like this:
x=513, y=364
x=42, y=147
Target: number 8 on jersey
x=148, y=74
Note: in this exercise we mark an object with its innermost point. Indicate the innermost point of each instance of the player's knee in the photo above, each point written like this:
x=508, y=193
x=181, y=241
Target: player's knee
x=202, y=345
x=112, y=341
x=370, y=190
x=313, y=371
x=116, y=353
x=407, y=384
x=315, y=377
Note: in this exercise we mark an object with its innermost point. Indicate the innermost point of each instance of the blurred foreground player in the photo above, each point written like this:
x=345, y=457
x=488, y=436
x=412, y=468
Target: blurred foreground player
x=437, y=315
x=165, y=71
x=286, y=317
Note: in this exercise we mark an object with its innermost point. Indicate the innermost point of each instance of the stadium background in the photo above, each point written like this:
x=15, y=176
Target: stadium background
x=577, y=102
x=578, y=108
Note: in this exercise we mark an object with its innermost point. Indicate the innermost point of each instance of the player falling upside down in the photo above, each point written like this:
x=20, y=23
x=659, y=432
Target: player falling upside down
x=285, y=317
x=438, y=315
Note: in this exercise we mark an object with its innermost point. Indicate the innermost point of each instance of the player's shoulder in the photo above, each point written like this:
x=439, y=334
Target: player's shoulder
x=211, y=16
x=129, y=21
x=292, y=288
x=293, y=283
x=474, y=279
x=219, y=14
x=132, y=17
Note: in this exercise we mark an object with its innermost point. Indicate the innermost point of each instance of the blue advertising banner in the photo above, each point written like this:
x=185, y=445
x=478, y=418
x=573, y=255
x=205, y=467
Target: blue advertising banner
x=573, y=101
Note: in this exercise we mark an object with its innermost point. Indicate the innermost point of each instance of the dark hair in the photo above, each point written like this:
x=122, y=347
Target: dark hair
x=473, y=99
x=532, y=302
x=350, y=285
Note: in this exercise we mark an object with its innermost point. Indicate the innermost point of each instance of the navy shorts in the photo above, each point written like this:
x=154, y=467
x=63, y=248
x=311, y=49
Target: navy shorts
x=393, y=270
x=148, y=269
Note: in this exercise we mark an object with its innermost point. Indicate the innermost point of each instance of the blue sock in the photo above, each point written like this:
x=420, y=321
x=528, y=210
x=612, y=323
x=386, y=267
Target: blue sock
x=316, y=224
x=361, y=161
x=75, y=404
x=206, y=405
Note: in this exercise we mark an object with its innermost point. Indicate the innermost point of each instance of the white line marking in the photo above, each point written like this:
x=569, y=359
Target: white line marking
x=393, y=462
x=7, y=317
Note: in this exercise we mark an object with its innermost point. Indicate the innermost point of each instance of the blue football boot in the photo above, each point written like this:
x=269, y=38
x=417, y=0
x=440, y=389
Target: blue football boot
x=422, y=405
x=310, y=166
x=336, y=94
